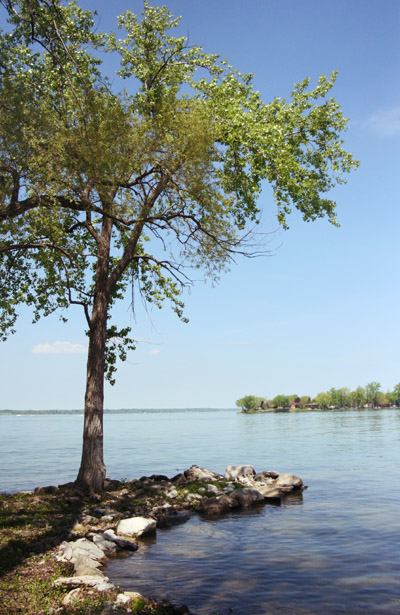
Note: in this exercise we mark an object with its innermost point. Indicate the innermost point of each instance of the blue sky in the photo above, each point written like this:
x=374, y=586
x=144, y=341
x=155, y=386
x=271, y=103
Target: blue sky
x=323, y=309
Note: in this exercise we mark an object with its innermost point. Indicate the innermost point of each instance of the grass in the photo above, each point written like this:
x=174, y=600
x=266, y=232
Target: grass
x=33, y=525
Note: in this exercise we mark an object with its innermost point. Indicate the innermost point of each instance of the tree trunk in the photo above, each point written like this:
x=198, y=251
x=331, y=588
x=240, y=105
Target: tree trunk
x=92, y=471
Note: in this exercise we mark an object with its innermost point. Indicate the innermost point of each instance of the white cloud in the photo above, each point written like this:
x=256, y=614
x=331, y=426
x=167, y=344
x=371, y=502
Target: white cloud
x=386, y=122
x=59, y=348
x=154, y=352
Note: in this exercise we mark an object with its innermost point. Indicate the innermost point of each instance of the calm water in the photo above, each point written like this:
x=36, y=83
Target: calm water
x=335, y=551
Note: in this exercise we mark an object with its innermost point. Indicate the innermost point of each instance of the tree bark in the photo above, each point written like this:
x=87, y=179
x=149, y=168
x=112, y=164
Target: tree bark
x=92, y=470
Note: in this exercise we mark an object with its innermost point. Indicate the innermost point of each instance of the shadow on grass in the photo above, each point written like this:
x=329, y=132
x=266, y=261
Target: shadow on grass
x=34, y=523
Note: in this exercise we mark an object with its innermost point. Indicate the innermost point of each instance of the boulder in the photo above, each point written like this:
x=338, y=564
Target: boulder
x=238, y=473
x=133, y=595
x=270, y=492
x=135, y=526
x=123, y=599
x=123, y=543
x=202, y=474
x=289, y=480
x=212, y=489
x=159, y=477
x=84, y=566
x=247, y=497
x=171, y=517
x=106, y=545
x=218, y=506
x=99, y=583
x=72, y=551
x=86, y=548
x=178, y=478
x=266, y=477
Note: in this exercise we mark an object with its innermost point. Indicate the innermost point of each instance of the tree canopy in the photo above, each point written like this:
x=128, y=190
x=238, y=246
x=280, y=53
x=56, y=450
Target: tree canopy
x=370, y=396
x=103, y=191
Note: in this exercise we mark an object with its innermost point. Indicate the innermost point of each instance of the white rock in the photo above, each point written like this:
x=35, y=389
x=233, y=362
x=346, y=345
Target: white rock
x=239, y=472
x=133, y=595
x=172, y=494
x=85, y=547
x=100, y=583
x=123, y=599
x=135, y=526
x=269, y=491
x=289, y=480
x=108, y=546
x=193, y=496
x=123, y=543
x=195, y=473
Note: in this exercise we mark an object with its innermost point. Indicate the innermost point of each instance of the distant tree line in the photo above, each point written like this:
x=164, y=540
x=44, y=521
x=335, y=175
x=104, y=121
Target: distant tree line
x=370, y=396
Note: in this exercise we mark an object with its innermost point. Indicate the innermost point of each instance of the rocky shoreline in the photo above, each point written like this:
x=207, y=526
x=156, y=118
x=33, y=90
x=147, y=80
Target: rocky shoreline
x=133, y=509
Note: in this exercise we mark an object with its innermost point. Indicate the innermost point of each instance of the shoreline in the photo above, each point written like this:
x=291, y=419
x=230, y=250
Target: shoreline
x=41, y=531
x=308, y=410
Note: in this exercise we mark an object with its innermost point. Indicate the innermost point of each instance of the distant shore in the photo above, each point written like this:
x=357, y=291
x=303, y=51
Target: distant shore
x=111, y=411
x=296, y=410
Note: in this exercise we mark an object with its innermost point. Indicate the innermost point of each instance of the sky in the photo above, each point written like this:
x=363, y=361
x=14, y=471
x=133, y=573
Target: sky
x=322, y=309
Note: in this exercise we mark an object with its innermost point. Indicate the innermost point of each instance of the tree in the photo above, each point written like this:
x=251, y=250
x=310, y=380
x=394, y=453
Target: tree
x=371, y=393
x=281, y=401
x=103, y=191
x=323, y=400
x=395, y=395
x=248, y=403
x=358, y=397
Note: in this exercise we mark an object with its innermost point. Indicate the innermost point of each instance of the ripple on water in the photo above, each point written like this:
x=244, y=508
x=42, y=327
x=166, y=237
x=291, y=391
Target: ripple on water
x=268, y=561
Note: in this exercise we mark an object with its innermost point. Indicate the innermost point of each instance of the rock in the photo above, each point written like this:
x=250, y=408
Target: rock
x=45, y=490
x=192, y=497
x=289, y=480
x=238, y=473
x=270, y=492
x=170, y=518
x=134, y=595
x=178, y=478
x=99, y=583
x=73, y=596
x=123, y=543
x=84, y=547
x=73, y=551
x=107, y=518
x=159, y=477
x=84, y=568
x=111, y=485
x=266, y=477
x=195, y=473
x=217, y=506
x=172, y=494
x=123, y=599
x=247, y=497
x=108, y=546
x=135, y=526
x=212, y=489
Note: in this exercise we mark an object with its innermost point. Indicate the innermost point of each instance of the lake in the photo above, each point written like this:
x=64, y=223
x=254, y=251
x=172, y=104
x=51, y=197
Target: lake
x=336, y=550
